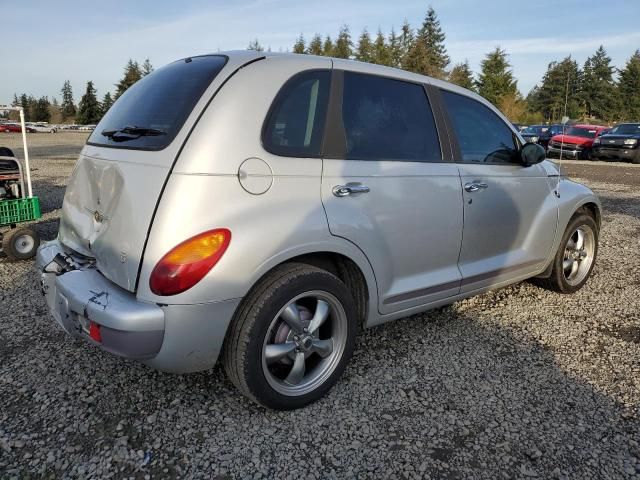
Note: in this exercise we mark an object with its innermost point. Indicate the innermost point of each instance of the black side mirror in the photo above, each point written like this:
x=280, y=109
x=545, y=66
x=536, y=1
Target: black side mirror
x=532, y=153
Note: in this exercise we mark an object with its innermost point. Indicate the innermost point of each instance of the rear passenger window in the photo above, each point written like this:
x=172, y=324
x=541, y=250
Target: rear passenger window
x=295, y=124
x=387, y=119
x=482, y=135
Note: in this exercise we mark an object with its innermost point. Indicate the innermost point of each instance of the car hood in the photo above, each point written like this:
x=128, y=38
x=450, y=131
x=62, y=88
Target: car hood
x=573, y=139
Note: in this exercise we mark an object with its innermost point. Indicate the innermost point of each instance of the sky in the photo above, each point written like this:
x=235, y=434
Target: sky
x=48, y=42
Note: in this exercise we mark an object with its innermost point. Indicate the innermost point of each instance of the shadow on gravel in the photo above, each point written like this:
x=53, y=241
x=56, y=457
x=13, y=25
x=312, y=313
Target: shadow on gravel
x=624, y=206
x=50, y=194
x=443, y=394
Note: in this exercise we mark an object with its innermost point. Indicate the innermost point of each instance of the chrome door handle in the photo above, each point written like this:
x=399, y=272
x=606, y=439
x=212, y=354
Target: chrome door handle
x=474, y=186
x=349, y=188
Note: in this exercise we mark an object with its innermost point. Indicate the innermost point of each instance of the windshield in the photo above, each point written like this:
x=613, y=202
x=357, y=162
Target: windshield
x=151, y=113
x=534, y=130
x=581, y=132
x=627, y=129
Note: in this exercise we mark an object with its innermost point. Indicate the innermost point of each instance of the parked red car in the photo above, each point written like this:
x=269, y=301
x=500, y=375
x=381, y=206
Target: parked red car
x=15, y=127
x=576, y=142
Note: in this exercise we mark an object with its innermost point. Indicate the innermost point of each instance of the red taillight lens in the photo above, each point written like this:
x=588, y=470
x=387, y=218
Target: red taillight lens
x=186, y=264
x=94, y=331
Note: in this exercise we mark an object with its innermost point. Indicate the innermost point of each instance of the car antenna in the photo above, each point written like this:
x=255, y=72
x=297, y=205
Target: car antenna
x=565, y=119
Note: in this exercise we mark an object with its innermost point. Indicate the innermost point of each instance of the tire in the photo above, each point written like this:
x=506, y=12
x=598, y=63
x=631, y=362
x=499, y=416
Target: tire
x=562, y=278
x=259, y=332
x=587, y=154
x=20, y=243
x=636, y=160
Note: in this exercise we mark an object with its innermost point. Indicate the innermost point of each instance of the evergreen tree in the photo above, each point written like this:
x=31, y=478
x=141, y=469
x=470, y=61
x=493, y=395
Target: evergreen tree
x=462, y=75
x=147, y=68
x=381, y=51
x=561, y=80
x=405, y=42
x=598, y=88
x=428, y=54
x=344, y=45
x=315, y=46
x=364, y=50
x=132, y=74
x=67, y=107
x=495, y=80
x=25, y=104
x=89, y=110
x=299, y=46
x=328, y=47
x=255, y=45
x=395, y=49
x=15, y=101
x=629, y=88
x=40, y=110
x=106, y=103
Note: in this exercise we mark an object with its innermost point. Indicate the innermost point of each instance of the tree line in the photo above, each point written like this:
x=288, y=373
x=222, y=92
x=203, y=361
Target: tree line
x=596, y=91
x=89, y=110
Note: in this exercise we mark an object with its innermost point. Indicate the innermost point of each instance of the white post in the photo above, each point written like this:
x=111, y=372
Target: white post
x=26, y=152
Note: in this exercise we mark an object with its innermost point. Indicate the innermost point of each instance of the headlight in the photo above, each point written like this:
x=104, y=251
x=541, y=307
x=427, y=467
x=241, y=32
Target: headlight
x=534, y=139
x=630, y=141
x=596, y=141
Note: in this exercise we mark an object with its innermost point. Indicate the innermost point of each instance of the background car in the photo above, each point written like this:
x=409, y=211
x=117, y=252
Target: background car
x=42, y=128
x=576, y=142
x=619, y=143
x=16, y=128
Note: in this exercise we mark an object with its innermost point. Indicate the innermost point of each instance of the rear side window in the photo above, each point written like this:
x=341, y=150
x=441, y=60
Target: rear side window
x=482, y=135
x=156, y=107
x=295, y=124
x=387, y=119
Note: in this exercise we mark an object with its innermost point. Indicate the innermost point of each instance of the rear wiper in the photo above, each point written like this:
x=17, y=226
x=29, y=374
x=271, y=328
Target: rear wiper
x=131, y=132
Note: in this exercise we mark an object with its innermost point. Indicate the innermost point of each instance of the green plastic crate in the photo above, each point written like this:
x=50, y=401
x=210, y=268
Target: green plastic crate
x=20, y=210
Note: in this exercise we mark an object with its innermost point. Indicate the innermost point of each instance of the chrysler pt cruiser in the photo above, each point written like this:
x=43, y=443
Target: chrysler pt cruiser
x=262, y=208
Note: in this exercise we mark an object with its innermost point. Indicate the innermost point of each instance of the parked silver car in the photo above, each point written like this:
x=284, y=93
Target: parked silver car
x=263, y=207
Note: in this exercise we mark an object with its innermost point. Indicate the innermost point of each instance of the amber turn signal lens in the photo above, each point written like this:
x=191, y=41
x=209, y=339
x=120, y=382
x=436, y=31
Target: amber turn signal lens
x=187, y=263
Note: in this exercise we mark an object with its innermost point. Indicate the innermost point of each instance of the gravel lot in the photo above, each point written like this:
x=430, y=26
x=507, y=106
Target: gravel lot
x=516, y=383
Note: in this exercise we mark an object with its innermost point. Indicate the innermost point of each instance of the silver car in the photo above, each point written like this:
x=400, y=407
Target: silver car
x=262, y=208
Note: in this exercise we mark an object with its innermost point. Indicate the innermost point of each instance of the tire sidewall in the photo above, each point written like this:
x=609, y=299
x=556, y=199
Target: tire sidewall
x=574, y=223
x=9, y=246
x=256, y=380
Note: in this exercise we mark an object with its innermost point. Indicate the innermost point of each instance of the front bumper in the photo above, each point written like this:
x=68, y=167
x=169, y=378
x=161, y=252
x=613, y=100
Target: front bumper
x=175, y=338
x=625, y=154
x=554, y=152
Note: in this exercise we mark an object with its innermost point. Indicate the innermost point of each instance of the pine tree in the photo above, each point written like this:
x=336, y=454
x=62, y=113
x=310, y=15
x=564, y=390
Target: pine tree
x=328, y=47
x=67, y=107
x=395, y=49
x=25, y=104
x=315, y=46
x=40, y=110
x=629, y=88
x=561, y=80
x=106, y=103
x=405, y=42
x=428, y=54
x=381, y=51
x=147, y=68
x=598, y=88
x=132, y=74
x=255, y=45
x=15, y=101
x=364, y=50
x=89, y=111
x=299, y=46
x=344, y=46
x=462, y=75
x=495, y=80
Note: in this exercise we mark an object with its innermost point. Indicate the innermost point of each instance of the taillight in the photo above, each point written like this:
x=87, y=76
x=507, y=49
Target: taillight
x=187, y=263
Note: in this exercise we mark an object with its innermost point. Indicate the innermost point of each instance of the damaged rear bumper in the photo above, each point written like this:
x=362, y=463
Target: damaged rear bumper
x=129, y=328
x=173, y=338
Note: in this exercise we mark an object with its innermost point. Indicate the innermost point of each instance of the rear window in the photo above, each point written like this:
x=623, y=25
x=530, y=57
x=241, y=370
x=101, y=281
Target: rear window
x=156, y=107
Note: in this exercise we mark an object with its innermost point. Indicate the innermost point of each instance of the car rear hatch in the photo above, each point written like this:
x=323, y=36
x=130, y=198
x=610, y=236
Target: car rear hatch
x=117, y=182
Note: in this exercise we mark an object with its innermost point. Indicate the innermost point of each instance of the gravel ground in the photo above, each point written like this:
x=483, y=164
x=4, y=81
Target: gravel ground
x=517, y=383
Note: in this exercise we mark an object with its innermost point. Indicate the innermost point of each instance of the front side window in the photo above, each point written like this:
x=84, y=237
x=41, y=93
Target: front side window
x=295, y=124
x=387, y=119
x=482, y=135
